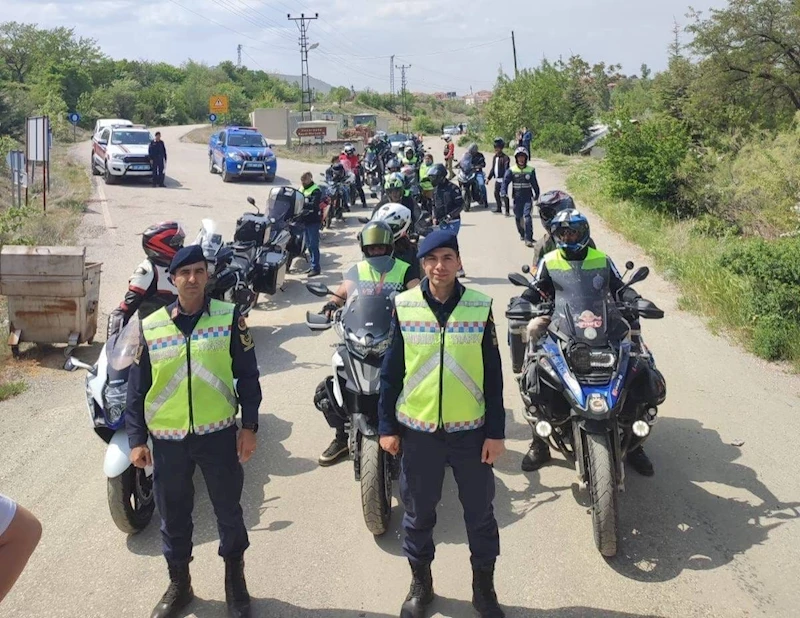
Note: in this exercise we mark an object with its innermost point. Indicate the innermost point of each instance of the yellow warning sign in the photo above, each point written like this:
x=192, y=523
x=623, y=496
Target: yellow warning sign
x=218, y=104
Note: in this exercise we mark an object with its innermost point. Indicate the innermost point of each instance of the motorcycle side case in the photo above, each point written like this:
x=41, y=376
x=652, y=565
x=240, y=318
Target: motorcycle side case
x=118, y=455
x=269, y=271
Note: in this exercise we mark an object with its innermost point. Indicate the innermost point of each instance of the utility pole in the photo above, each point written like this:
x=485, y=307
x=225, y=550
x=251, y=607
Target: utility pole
x=514, y=47
x=305, y=85
x=391, y=78
x=403, y=94
x=239, y=56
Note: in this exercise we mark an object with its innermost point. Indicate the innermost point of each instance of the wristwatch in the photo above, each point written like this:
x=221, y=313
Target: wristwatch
x=251, y=426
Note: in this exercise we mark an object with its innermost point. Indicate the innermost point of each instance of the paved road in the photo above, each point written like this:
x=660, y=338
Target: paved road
x=714, y=533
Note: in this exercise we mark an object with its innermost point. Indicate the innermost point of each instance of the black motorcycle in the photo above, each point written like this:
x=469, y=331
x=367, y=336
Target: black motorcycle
x=373, y=174
x=578, y=383
x=287, y=232
x=364, y=327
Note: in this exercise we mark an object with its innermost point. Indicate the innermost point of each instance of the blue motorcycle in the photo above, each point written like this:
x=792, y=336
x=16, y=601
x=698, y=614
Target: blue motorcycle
x=579, y=384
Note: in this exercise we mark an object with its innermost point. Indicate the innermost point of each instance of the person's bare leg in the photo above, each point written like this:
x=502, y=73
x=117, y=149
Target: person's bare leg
x=16, y=546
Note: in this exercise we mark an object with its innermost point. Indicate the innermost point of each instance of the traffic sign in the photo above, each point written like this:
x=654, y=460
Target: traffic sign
x=20, y=178
x=311, y=131
x=218, y=104
x=74, y=117
x=212, y=118
x=15, y=160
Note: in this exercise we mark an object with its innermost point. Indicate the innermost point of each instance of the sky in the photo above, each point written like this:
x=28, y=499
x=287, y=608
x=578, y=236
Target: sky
x=449, y=45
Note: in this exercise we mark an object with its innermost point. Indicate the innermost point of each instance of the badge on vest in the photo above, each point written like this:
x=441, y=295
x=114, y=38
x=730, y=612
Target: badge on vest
x=527, y=176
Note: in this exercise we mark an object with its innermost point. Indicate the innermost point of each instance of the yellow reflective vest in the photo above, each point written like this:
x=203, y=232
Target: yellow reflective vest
x=192, y=389
x=371, y=282
x=443, y=383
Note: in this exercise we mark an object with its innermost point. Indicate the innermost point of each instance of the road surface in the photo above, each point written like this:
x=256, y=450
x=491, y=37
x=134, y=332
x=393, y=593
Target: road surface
x=714, y=533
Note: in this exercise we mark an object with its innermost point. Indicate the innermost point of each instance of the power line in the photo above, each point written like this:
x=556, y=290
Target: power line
x=303, y=23
x=403, y=95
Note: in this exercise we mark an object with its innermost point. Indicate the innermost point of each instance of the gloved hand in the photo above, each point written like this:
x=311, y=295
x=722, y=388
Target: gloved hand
x=329, y=309
x=116, y=321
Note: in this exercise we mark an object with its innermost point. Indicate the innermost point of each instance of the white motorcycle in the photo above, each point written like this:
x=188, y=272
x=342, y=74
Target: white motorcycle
x=130, y=489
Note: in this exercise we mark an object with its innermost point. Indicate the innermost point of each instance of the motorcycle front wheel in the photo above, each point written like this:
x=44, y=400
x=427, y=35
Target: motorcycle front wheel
x=376, y=486
x=130, y=500
x=603, y=492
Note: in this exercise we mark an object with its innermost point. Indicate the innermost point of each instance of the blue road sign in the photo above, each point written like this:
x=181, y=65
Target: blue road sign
x=15, y=160
x=212, y=117
x=74, y=118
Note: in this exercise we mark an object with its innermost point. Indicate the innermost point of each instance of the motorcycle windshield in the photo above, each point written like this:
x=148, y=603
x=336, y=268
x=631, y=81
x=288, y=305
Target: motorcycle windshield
x=367, y=319
x=588, y=315
x=280, y=211
x=466, y=163
x=370, y=159
x=209, y=239
x=121, y=349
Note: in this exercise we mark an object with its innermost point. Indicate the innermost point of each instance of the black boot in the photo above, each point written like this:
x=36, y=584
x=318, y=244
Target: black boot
x=640, y=462
x=178, y=595
x=484, y=598
x=420, y=594
x=236, y=595
x=537, y=455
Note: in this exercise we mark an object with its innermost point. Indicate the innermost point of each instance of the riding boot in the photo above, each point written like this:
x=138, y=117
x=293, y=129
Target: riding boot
x=178, y=595
x=484, y=598
x=420, y=594
x=236, y=595
x=538, y=454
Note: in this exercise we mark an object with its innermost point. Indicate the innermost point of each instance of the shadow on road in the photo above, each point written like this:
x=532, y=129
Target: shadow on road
x=693, y=514
x=441, y=606
x=270, y=459
x=272, y=357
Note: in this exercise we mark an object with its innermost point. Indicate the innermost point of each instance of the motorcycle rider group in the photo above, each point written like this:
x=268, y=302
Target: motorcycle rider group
x=444, y=342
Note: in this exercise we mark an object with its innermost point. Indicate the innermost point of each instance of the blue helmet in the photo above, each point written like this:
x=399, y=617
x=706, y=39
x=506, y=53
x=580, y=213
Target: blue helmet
x=570, y=231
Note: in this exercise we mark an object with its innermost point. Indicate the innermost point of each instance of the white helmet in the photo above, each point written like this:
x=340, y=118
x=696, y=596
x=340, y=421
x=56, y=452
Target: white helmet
x=408, y=144
x=397, y=216
x=447, y=137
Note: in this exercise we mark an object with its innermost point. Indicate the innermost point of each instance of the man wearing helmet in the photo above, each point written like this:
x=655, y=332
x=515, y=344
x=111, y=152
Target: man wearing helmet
x=522, y=178
x=150, y=286
x=500, y=164
x=550, y=204
x=449, y=154
x=351, y=161
x=398, y=217
x=394, y=192
x=392, y=167
x=410, y=154
x=378, y=273
x=337, y=173
x=474, y=159
x=571, y=234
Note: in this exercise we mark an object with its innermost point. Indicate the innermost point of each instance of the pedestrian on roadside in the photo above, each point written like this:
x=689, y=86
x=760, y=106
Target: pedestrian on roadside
x=433, y=354
x=311, y=216
x=521, y=177
x=189, y=409
x=500, y=163
x=527, y=138
x=20, y=533
x=460, y=128
x=157, y=152
x=449, y=155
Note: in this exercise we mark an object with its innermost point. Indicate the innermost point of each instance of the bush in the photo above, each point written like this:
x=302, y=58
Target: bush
x=773, y=272
x=643, y=159
x=425, y=124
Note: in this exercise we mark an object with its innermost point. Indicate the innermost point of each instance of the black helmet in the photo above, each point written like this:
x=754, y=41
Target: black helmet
x=437, y=173
x=552, y=203
x=473, y=148
x=162, y=241
x=499, y=142
x=337, y=169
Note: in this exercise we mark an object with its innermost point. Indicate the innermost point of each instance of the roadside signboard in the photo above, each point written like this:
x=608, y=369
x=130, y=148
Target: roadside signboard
x=15, y=160
x=212, y=118
x=311, y=131
x=218, y=104
x=74, y=117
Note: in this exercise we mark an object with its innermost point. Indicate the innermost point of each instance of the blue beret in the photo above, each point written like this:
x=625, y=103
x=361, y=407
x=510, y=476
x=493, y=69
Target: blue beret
x=436, y=240
x=190, y=254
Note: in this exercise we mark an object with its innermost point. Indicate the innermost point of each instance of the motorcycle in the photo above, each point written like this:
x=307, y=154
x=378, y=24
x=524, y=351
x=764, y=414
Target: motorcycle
x=129, y=489
x=373, y=174
x=576, y=385
x=364, y=327
x=287, y=233
x=337, y=190
x=472, y=182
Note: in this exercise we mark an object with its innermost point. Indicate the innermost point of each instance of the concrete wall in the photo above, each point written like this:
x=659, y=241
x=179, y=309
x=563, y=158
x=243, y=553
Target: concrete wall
x=273, y=123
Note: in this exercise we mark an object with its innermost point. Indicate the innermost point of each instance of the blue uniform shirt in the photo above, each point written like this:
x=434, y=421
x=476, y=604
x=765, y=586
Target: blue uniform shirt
x=245, y=370
x=394, y=369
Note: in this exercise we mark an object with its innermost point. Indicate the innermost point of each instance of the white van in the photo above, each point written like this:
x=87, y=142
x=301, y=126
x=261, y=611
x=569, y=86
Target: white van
x=107, y=122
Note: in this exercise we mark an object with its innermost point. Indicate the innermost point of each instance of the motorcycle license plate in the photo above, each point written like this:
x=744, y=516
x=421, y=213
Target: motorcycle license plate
x=140, y=168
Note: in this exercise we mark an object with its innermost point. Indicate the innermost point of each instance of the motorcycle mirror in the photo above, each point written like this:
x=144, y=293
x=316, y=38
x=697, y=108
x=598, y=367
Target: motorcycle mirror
x=526, y=269
x=250, y=200
x=640, y=275
x=318, y=289
x=363, y=220
x=629, y=265
x=648, y=310
x=518, y=280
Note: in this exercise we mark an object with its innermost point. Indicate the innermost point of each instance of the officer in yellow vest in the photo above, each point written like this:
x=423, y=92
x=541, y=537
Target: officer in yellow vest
x=442, y=402
x=378, y=273
x=181, y=393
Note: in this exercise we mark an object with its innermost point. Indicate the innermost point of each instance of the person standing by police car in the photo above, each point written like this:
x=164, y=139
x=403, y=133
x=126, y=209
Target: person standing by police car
x=157, y=152
x=181, y=392
x=444, y=343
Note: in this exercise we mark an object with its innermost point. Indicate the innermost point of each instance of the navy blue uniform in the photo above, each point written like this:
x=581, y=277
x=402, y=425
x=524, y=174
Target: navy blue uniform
x=174, y=461
x=424, y=455
x=158, y=157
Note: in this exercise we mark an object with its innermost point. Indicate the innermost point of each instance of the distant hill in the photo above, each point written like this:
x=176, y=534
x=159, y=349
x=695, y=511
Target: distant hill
x=316, y=84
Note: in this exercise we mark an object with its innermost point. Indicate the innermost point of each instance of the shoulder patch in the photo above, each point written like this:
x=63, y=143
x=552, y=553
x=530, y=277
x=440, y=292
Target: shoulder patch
x=245, y=337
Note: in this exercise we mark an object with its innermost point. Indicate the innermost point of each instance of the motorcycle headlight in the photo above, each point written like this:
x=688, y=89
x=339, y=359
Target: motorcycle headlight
x=602, y=359
x=363, y=348
x=114, y=397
